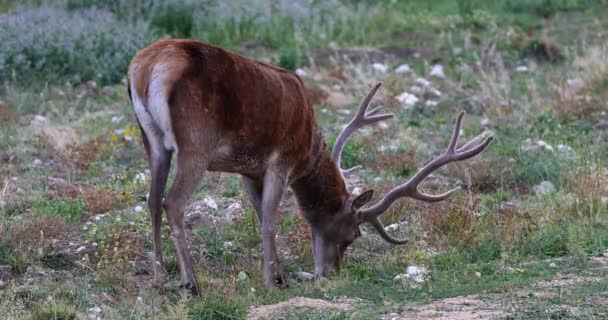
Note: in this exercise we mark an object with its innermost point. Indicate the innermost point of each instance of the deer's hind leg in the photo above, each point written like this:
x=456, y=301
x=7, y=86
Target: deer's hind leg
x=190, y=171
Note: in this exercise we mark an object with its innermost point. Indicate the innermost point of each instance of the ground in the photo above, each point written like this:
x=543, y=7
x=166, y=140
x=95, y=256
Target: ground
x=526, y=238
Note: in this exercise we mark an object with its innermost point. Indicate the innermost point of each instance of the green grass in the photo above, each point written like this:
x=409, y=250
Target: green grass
x=495, y=239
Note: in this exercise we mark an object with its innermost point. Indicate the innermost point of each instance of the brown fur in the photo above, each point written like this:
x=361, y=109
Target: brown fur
x=232, y=114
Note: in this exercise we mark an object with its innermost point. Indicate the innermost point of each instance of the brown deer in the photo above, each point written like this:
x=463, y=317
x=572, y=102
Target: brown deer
x=219, y=111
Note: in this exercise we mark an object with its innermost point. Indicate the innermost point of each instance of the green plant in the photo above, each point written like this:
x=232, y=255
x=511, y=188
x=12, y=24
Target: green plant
x=174, y=18
x=54, y=311
x=72, y=210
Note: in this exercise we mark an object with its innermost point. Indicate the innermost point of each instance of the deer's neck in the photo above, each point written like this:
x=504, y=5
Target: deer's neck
x=320, y=189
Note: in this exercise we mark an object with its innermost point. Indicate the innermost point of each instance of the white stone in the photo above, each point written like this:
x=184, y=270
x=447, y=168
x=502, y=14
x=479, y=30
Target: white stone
x=403, y=69
x=80, y=249
x=521, y=69
x=242, y=275
x=423, y=82
x=228, y=245
x=301, y=72
x=552, y=265
x=413, y=275
x=210, y=203
x=431, y=103
x=478, y=275
x=437, y=71
x=306, y=276
x=357, y=191
x=138, y=208
x=407, y=99
x=395, y=226
x=36, y=162
x=544, y=188
x=94, y=312
x=379, y=67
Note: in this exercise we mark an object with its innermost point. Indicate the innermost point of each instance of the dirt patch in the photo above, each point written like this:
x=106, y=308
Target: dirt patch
x=98, y=200
x=266, y=312
x=7, y=114
x=457, y=308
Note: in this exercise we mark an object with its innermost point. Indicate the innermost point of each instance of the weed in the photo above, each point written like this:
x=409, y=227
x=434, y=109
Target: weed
x=54, y=311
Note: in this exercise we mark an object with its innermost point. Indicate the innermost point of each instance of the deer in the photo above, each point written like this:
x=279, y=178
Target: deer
x=222, y=112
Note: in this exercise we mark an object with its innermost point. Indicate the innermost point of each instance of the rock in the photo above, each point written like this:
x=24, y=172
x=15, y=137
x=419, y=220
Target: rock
x=379, y=67
x=403, y=69
x=431, y=103
x=521, y=69
x=544, y=188
x=210, y=203
x=437, y=71
x=93, y=313
x=406, y=99
x=241, y=276
x=36, y=163
x=539, y=146
x=413, y=276
x=395, y=226
x=484, y=122
x=478, y=275
x=423, y=82
x=228, y=245
x=138, y=209
x=304, y=276
x=552, y=265
x=566, y=150
x=301, y=72
x=357, y=191
x=39, y=121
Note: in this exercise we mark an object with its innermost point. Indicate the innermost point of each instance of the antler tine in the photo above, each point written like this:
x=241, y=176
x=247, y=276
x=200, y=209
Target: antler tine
x=382, y=232
x=410, y=188
x=362, y=118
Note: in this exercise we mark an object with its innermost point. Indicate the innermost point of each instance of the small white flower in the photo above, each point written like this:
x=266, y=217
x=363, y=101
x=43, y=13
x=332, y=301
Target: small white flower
x=138, y=208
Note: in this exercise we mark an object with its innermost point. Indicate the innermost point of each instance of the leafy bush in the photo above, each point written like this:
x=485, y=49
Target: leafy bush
x=55, y=45
x=175, y=19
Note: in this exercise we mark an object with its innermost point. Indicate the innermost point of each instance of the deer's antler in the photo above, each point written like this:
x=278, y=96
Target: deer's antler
x=410, y=188
x=361, y=119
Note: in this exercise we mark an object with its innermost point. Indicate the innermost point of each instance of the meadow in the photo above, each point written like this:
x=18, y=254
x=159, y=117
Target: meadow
x=526, y=238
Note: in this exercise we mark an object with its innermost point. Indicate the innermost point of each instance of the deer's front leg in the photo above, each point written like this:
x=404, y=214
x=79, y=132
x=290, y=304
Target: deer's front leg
x=273, y=188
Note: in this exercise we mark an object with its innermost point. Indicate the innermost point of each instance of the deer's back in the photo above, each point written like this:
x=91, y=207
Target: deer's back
x=240, y=111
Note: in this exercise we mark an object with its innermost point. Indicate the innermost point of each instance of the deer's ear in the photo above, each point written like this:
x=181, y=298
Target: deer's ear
x=362, y=199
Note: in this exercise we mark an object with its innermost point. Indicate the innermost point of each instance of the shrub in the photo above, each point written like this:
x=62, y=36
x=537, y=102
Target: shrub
x=55, y=45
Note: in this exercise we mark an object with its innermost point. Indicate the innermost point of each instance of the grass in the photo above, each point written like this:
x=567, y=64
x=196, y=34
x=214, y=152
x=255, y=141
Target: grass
x=74, y=226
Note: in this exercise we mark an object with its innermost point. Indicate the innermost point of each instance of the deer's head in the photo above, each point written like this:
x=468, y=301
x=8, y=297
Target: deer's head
x=331, y=239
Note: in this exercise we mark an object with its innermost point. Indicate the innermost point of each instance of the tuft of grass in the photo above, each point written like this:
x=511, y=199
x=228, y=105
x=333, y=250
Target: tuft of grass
x=72, y=210
x=54, y=311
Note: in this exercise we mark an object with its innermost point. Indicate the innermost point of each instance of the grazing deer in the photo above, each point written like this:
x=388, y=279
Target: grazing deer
x=219, y=111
